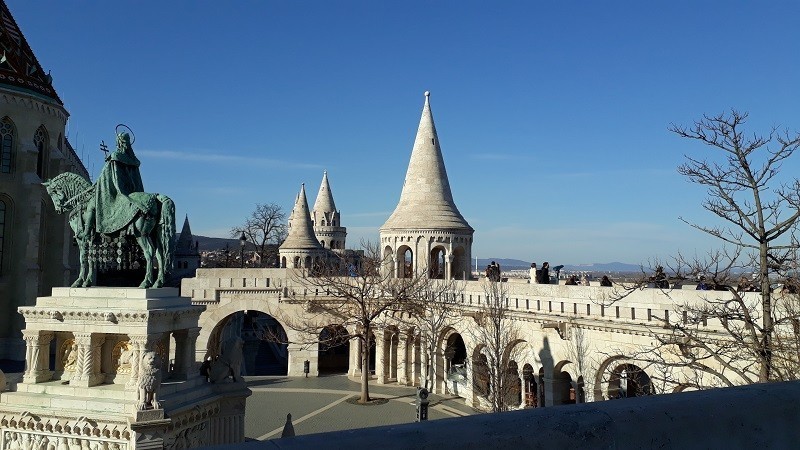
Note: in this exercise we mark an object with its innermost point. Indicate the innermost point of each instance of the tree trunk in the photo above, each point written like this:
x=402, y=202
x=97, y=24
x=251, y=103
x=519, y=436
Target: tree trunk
x=365, y=351
x=766, y=311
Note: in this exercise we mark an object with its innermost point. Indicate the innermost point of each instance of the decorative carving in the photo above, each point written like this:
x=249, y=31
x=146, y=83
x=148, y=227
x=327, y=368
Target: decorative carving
x=149, y=381
x=69, y=355
x=121, y=357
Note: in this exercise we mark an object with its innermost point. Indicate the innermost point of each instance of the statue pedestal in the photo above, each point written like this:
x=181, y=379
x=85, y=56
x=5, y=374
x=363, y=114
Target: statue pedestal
x=86, y=374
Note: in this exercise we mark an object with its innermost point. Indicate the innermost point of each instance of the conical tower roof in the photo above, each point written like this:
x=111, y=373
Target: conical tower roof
x=324, y=202
x=426, y=200
x=185, y=239
x=301, y=232
x=19, y=67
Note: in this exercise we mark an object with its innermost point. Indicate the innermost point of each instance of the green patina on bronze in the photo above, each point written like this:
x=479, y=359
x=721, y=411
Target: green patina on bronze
x=116, y=205
x=113, y=205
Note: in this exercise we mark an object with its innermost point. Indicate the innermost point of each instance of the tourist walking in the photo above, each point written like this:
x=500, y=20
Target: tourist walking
x=605, y=281
x=534, y=274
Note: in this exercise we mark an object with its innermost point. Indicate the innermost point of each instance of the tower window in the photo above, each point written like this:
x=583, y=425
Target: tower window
x=40, y=141
x=6, y=144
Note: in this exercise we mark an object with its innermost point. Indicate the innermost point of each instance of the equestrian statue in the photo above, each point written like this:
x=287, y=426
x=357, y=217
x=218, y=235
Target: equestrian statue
x=113, y=208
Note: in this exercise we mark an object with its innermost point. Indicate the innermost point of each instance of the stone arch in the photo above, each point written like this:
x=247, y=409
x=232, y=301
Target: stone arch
x=296, y=262
x=530, y=386
x=333, y=350
x=405, y=262
x=609, y=373
x=562, y=380
x=212, y=325
x=265, y=349
x=450, y=359
x=629, y=380
x=437, y=262
x=283, y=262
x=459, y=267
x=8, y=143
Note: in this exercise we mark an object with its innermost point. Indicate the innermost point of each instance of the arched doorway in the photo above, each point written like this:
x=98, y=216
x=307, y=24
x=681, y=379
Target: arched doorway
x=405, y=263
x=436, y=265
x=265, y=349
x=531, y=389
x=563, y=391
x=628, y=380
x=455, y=353
x=334, y=350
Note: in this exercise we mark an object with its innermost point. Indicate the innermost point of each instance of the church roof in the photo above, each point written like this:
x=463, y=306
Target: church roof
x=19, y=68
x=426, y=201
x=324, y=202
x=301, y=232
x=185, y=239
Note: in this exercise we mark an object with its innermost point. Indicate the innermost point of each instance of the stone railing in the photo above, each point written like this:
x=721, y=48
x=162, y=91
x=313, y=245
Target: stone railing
x=755, y=416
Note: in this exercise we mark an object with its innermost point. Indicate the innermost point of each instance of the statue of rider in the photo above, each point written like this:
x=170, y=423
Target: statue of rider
x=113, y=207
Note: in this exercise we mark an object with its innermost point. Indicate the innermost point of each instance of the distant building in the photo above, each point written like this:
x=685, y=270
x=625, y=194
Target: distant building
x=36, y=249
x=186, y=260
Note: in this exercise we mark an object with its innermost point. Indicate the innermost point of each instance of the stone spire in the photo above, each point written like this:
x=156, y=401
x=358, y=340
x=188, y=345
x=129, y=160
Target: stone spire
x=324, y=203
x=426, y=201
x=185, y=239
x=301, y=231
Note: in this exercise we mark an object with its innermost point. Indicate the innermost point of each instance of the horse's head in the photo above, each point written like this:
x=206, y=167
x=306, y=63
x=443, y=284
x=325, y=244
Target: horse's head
x=56, y=193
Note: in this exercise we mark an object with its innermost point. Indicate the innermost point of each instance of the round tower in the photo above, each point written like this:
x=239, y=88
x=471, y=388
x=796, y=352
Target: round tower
x=426, y=234
x=301, y=248
x=327, y=220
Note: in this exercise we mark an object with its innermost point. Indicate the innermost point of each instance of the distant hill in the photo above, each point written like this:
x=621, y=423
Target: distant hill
x=213, y=243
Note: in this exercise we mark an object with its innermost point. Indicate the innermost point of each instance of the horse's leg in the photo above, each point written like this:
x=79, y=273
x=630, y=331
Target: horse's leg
x=83, y=263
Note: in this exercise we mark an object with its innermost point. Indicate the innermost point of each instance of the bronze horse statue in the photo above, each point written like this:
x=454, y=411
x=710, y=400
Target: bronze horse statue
x=153, y=230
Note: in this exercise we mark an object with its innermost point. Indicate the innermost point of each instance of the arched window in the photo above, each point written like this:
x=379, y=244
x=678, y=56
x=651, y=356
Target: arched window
x=40, y=141
x=3, y=217
x=7, y=135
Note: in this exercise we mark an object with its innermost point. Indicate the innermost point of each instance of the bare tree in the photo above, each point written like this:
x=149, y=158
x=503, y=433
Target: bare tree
x=728, y=336
x=579, y=352
x=495, y=373
x=357, y=295
x=265, y=229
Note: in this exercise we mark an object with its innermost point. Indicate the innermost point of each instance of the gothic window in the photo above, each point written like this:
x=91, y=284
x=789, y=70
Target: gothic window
x=40, y=141
x=6, y=144
x=3, y=217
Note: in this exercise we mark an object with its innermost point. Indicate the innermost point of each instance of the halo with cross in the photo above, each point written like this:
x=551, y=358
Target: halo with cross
x=125, y=127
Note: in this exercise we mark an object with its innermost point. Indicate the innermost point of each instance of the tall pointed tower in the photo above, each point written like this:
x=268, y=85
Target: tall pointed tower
x=301, y=248
x=187, y=254
x=327, y=220
x=426, y=233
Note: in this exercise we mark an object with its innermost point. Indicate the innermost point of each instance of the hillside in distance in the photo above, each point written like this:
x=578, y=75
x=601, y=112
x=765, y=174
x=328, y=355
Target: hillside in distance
x=214, y=243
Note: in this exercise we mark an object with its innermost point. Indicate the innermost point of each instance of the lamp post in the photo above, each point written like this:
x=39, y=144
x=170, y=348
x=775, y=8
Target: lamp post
x=227, y=256
x=242, y=243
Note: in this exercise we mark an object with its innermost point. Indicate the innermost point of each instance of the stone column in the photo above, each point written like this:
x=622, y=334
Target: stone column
x=402, y=360
x=381, y=356
x=36, y=356
x=188, y=355
x=87, y=364
x=355, y=358
x=448, y=271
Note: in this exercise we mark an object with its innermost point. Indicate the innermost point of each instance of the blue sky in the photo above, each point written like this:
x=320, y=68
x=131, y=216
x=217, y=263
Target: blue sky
x=552, y=116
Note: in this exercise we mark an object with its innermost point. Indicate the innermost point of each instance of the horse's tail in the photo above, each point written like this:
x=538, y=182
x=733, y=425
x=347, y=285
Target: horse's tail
x=167, y=228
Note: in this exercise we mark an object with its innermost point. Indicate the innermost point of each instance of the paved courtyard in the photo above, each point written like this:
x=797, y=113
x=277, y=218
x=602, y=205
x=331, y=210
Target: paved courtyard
x=320, y=404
